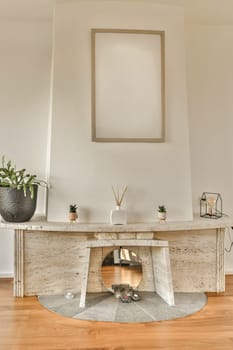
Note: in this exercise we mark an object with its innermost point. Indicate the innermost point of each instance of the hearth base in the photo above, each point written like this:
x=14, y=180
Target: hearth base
x=105, y=307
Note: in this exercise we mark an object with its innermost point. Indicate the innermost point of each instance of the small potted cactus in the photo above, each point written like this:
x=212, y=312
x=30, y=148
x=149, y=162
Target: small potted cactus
x=162, y=213
x=73, y=215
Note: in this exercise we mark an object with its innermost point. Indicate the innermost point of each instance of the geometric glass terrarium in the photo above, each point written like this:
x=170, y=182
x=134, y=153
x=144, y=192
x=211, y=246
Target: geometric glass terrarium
x=211, y=205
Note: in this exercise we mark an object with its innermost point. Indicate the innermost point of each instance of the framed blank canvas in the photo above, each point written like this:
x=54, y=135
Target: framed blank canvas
x=128, y=90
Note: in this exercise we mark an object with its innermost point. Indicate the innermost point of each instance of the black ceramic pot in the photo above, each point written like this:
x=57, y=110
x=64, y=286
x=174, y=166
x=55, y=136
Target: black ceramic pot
x=14, y=206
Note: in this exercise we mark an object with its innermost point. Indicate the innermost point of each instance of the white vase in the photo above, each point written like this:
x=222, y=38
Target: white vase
x=118, y=216
x=162, y=216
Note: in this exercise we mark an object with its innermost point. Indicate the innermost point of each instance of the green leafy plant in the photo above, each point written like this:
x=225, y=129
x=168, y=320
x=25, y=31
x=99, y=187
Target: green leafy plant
x=162, y=209
x=19, y=179
x=73, y=208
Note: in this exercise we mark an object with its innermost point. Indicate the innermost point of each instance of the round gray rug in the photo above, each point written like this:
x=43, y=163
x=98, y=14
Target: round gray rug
x=105, y=307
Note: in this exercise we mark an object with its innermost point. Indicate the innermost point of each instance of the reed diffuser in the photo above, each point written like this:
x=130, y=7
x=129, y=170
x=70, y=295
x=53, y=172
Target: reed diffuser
x=118, y=216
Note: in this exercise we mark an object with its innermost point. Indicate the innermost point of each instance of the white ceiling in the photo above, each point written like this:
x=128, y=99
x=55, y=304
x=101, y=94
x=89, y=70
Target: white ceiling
x=198, y=11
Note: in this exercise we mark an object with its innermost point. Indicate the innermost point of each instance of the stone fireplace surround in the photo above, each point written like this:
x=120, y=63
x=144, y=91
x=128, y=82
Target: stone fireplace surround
x=160, y=264
x=50, y=256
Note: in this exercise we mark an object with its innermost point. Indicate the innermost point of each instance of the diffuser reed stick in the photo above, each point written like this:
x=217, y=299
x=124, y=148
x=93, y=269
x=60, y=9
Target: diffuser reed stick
x=119, y=195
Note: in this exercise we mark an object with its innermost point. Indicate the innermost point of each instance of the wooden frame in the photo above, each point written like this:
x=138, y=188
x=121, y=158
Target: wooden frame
x=128, y=85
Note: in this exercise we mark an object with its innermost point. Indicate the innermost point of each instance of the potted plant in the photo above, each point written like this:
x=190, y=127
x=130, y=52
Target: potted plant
x=18, y=193
x=162, y=213
x=73, y=215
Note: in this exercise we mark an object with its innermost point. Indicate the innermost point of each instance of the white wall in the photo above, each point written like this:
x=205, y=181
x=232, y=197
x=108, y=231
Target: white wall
x=25, y=58
x=210, y=86
x=82, y=171
x=6, y=253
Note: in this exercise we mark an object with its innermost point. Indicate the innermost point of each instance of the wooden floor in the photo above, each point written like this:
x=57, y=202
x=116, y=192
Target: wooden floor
x=121, y=274
x=26, y=325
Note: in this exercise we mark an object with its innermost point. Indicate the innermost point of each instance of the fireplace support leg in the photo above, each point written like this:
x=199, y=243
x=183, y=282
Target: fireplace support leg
x=162, y=274
x=19, y=264
x=85, y=278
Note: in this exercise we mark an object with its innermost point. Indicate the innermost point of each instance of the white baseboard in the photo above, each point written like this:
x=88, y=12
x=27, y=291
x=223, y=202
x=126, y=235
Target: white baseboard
x=6, y=275
x=229, y=272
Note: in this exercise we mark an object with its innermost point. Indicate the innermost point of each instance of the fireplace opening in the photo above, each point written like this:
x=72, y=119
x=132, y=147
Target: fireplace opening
x=121, y=267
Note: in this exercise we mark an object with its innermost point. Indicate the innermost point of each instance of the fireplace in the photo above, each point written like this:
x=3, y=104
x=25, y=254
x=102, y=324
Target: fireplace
x=154, y=258
x=51, y=257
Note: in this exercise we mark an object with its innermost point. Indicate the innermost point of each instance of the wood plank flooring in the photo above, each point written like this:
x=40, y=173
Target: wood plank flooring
x=26, y=325
x=121, y=274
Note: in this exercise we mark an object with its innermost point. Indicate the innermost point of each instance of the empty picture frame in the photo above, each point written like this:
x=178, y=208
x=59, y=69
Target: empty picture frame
x=128, y=85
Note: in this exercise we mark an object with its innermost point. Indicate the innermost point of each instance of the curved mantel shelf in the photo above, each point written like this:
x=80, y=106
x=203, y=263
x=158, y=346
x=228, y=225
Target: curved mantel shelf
x=196, y=224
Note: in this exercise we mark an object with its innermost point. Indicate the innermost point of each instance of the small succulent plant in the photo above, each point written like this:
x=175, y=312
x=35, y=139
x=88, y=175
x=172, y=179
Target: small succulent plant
x=162, y=209
x=73, y=208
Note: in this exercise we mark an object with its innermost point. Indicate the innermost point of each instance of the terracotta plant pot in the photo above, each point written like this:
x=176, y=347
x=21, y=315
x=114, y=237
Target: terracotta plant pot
x=73, y=216
x=162, y=216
